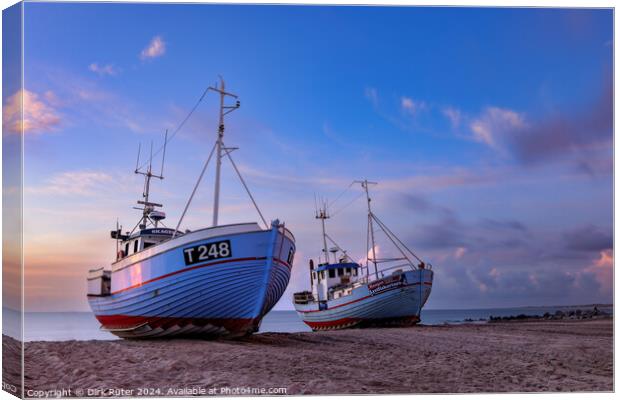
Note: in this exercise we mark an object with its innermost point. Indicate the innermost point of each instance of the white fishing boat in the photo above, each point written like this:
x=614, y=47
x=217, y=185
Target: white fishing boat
x=219, y=280
x=345, y=294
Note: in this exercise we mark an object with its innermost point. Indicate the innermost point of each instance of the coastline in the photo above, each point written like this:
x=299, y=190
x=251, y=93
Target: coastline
x=537, y=355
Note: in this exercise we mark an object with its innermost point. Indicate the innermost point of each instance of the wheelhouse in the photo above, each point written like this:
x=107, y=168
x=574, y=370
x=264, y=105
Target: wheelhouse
x=332, y=281
x=143, y=239
x=334, y=274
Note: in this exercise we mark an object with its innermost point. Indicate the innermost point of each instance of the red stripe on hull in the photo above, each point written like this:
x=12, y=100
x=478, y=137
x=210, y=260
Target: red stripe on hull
x=344, y=323
x=127, y=322
x=332, y=324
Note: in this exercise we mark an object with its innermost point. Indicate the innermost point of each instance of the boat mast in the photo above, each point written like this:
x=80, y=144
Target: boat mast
x=147, y=205
x=219, y=144
x=322, y=215
x=365, y=184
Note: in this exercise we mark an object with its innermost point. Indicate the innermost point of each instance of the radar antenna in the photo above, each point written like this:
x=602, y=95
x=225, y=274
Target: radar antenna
x=147, y=205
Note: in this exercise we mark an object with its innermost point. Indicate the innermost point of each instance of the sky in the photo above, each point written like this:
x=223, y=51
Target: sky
x=488, y=130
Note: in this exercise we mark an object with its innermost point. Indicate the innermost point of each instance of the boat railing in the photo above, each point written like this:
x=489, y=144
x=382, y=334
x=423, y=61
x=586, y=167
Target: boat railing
x=303, y=297
x=367, y=278
x=288, y=234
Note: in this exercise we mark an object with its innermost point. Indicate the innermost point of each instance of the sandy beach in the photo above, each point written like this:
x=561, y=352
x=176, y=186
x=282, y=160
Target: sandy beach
x=491, y=357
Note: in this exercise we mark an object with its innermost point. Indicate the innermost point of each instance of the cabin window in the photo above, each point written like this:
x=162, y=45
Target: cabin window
x=349, y=270
x=127, y=248
x=135, y=246
x=322, y=274
x=340, y=271
x=332, y=273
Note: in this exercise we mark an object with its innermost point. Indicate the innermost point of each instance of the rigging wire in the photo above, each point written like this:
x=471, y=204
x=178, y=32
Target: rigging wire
x=347, y=205
x=338, y=246
x=367, y=250
x=163, y=147
x=194, y=191
x=134, y=228
x=168, y=139
x=391, y=236
x=331, y=203
x=246, y=187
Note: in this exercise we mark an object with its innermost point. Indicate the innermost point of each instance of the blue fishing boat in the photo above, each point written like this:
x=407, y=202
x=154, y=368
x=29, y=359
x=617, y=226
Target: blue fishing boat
x=215, y=281
x=345, y=294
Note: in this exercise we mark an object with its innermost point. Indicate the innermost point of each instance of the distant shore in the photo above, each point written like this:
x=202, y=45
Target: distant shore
x=538, y=355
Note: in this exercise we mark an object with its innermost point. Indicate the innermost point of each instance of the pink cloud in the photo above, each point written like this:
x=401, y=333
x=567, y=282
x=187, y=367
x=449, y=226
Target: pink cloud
x=454, y=115
x=81, y=183
x=459, y=252
x=494, y=123
x=156, y=48
x=579, y=135
x=448, y=179
x=411, y=106
x=372, y=95
x=38, y=113
x=602, y=268
x=107, y=69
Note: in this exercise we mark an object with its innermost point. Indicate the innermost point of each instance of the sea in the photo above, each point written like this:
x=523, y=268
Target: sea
x=63, y=326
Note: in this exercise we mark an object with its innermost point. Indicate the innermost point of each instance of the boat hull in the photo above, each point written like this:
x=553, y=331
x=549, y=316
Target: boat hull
x=393, y=301
x=161, y=296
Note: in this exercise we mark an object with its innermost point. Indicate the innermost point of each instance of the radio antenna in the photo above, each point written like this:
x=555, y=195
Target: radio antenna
x=163, y=157
x=148, y=206
x=138, y=160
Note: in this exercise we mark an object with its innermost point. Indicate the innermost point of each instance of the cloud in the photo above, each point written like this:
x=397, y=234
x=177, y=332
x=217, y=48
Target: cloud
x=459, y=252
x=589, y=238
x=503, y=224
x=81, y=183
x=332, y=135
x=495, y=123
x=109, y=109
x=582, y=136
x=101, y=70
x=278, y=179
x=411, y=106
x=156, y=48
x=589, y=127
x=453, y=114
x=400, y=114
x=415, y=202
x=38, y=113
x=371, y=94
x=445, y=179
x=448, y=232
x=419, y=204
x=503, y=262
x=378, y=252
x=595, y=164
x=86, y=102
x=603, y=270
